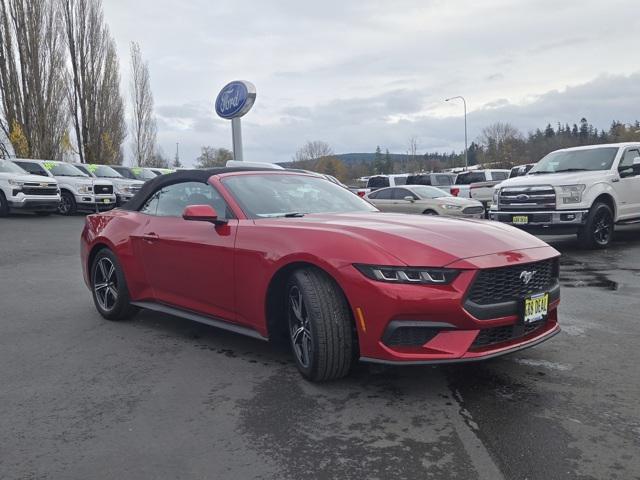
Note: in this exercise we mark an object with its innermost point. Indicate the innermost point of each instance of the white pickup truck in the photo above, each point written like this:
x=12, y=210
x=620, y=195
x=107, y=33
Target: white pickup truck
x=464, y=180
x=20, y=191
x=581, y=190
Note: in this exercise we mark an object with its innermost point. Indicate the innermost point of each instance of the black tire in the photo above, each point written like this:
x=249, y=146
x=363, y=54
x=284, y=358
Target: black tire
x=112, y=306
x=430, y=212
x=68, y=204
x=329, y=331
x=598, y=229
x=43, y=214
x=4, y=205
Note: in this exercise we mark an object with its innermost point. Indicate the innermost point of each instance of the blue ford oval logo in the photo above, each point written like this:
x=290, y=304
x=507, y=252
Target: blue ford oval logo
x=235, y=99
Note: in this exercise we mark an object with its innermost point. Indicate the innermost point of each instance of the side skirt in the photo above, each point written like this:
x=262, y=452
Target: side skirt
x=196, y=317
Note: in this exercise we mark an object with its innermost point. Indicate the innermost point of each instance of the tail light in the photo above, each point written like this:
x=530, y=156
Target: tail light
x=455, y=191
x=361, y=194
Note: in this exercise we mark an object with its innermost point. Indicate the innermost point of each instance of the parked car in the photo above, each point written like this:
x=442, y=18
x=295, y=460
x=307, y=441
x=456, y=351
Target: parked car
x=270, y=253
x=135, y=173
x=462, y=187
x=381, y=181
x=125, y=188
x=443, y=181
x=161, y=171
x=582, y=190
x=21, y=191
x=422, y=199
x=521, y=170
x=78, y=191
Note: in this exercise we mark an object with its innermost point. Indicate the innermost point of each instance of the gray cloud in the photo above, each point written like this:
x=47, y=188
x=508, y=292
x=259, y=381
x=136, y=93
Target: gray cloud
x=358, y=74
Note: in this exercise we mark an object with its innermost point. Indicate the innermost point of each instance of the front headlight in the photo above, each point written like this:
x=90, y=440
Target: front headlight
x=426, y=276
x=571, y=193
x=16, y=183
x=451, y=207
x=496, y=194
x=84, y=189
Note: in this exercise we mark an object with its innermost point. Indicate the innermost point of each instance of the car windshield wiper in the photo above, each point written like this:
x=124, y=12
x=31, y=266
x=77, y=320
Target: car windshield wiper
x=293, y=214
x=572, y=170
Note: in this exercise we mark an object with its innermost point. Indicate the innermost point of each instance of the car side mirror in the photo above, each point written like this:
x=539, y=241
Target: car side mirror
x=202, y=213
x=409, y=198
x=636, y=161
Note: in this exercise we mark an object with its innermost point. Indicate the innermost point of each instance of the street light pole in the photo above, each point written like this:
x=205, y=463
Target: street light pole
x=464, y=102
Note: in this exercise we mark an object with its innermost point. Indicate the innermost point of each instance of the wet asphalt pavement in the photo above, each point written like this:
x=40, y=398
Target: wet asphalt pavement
x=162, y=398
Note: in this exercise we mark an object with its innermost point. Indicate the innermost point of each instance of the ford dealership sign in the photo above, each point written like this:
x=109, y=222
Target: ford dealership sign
x=235, y=99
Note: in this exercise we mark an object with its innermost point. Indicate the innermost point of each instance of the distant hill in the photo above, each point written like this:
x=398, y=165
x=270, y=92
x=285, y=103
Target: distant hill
x=351, y=158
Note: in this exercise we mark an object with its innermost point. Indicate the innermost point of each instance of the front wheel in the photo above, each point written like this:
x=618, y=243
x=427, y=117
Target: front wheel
x=4, y=205
x=320, y=325
x=68, y=204
x=109, y=287
x=430, y=212
x=598, y=229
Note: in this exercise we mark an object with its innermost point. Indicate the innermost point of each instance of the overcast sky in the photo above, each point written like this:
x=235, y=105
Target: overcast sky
x=357, y=74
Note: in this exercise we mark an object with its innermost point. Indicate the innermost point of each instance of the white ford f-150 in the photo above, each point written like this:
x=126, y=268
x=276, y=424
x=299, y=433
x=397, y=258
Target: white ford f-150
x=582, y=190
x=77, y=190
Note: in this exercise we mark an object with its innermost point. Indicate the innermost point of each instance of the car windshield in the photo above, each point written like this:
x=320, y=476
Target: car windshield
x=125, y=172
x=61, y=169
x=103, y=171
x=143, y=173
x=576, y=160
x=429, y=192
x=10, y=167
x=289, y=195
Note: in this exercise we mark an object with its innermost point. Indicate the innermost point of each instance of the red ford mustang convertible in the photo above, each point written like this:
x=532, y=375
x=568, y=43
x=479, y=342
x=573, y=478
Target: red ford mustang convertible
x=272, y=253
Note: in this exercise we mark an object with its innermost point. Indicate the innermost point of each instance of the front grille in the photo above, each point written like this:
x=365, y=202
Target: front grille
x=39, y=191
x=496, y=285
x=103, y=189
x=410, y=336
x=495, y=335
x=472, y=210
x=527, y=198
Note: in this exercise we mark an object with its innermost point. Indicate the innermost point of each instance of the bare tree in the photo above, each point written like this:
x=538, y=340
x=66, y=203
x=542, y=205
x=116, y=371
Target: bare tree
x=32, y=70
x=412, y=154
x=97, y=106
x=143, y=126
x=313, y=151
x=502, y=144
x=213, y=157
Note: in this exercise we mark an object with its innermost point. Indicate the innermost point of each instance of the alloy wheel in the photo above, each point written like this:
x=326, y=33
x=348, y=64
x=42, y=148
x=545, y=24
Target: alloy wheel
x=602, y=228
x=300, y=327
x=65, y=205
x=105, y=284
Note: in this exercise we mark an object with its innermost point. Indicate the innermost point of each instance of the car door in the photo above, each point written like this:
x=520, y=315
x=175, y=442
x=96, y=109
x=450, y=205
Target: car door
x=401, y=204
x=189, y=264
x=382, y=199
x=628, y=188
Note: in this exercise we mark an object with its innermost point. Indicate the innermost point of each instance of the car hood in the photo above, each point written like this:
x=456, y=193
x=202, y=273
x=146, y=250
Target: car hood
x=418, y=240
x=556, y=179
x=28, y=178
x=129, y=182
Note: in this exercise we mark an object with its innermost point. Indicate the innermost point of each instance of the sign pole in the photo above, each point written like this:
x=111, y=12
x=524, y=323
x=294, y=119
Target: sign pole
x=235, y=100
x=236, y=132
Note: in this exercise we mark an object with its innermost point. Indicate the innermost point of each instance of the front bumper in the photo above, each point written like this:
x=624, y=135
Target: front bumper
x=95, y=202
x=122, y=198
x=456, y=334
x=48, y=204
x=549, y=221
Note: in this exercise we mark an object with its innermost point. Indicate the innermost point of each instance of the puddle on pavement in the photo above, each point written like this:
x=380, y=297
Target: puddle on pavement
x=574, y=274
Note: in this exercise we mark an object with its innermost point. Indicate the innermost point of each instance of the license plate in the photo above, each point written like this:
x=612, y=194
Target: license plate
x=520, y=219
x=106, y=200
x=536, y=307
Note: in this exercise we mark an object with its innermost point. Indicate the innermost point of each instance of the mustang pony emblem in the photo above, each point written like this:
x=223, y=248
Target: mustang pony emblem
x=526, y=277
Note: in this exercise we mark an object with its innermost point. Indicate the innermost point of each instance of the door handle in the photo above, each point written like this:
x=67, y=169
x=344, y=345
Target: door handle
x=615, y=180
x=150, y=236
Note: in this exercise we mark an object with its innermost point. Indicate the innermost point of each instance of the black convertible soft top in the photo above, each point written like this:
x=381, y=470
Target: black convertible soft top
x=180, y=176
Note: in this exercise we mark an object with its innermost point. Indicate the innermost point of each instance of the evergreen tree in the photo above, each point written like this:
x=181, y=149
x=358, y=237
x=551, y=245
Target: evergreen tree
x=548, y=132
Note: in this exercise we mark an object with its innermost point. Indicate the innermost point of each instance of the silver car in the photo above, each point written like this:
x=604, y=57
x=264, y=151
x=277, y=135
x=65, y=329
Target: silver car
x=421, y=199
